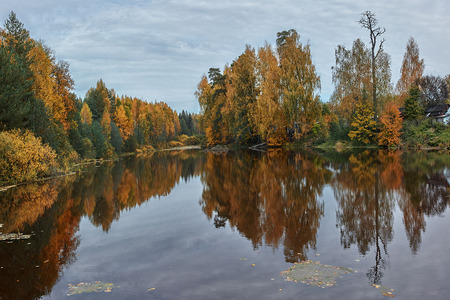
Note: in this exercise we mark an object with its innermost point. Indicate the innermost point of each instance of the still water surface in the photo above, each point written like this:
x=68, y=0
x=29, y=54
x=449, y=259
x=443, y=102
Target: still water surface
x=195, y=225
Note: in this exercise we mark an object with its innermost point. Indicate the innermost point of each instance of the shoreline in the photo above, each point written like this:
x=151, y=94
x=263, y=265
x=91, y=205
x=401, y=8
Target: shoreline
x=88, y=162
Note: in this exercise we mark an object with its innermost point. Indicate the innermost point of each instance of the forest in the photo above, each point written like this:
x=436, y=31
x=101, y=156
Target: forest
x=45, y=128
x=271, y=96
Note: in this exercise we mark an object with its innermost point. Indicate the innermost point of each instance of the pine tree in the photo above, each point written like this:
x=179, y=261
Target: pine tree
x=413, y=109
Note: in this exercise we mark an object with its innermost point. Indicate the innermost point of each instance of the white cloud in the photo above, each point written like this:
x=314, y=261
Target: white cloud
x=158, y=50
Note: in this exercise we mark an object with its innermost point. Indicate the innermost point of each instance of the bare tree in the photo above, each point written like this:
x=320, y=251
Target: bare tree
x=369, y=22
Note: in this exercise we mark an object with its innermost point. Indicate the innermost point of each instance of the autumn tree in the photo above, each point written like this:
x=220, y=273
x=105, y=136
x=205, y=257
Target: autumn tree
x=267, y=115
x=363, y=124
x=212, y=98
x=64, y=85
x=44, y=85
x=299, y=83
x=351, y=77
x=390, y=126
x=241, y=96
x=123, y=122
x=411, y=70
x=86, y=114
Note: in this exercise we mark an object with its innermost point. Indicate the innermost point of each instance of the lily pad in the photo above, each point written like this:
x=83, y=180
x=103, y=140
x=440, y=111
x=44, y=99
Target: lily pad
x=13, y=236
x=315, y=274
x=90, y=287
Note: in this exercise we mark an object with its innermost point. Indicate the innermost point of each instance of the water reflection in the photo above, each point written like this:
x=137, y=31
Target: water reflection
x=272, y=199
x=363, y=189
x=52, y=212
x=30, y=268
x=369, y=186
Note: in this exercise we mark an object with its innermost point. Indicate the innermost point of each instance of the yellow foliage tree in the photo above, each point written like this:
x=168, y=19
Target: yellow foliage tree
x=363, y=125
x=86, y=114
x=266, y=113
x=299, y=83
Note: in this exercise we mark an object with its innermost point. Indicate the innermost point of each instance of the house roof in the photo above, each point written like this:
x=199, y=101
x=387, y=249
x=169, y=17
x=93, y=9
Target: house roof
x=436, y=110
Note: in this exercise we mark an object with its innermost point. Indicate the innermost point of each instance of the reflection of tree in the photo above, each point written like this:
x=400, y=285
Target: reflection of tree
x=272, y=199
x=426, y=192
x=365, y=205
x=53, y=211
x=367, y=189
x=24, y=205
x=113, y=187
x=31, y=267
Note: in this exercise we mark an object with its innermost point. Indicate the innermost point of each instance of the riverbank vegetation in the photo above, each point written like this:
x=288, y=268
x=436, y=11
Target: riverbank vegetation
x=271, y=96
x=45, y=128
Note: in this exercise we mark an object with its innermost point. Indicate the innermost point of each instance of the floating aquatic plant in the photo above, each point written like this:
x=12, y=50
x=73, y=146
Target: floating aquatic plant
x=313, y=273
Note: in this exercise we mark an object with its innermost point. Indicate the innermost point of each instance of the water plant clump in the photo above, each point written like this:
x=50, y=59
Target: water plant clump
x=90, y=287
x=315, y=274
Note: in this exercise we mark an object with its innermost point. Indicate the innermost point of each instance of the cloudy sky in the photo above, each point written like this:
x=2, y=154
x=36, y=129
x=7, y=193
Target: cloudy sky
x=159, y=49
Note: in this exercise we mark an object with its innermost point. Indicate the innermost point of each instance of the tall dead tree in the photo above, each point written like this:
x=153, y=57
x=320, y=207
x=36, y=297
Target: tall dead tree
x=369, y=22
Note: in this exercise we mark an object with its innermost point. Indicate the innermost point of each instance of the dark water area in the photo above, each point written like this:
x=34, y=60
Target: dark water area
x=196, y=225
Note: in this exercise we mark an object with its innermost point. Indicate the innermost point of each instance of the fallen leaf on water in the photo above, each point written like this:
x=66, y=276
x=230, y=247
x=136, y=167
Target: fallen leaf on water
x=253, y=265
x=151, y=289
x=384, y=290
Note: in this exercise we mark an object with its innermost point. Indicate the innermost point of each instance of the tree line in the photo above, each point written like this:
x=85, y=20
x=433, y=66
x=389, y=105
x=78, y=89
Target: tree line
x=271, y=95
x=42, y=122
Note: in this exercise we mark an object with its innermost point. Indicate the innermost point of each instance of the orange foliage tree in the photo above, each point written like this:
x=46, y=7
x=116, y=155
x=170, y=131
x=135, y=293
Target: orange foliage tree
x=390, y=126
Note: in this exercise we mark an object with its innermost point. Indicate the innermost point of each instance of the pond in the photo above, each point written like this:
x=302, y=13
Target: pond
x=236, y=225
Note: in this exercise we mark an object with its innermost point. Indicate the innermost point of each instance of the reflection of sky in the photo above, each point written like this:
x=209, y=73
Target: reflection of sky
x=158, y=50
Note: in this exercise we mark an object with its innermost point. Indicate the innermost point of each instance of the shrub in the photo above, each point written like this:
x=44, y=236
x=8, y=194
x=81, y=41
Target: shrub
x=183, y=139
x=173, y=144
x=23, y=157
x=426, y=134
x=189, y=140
